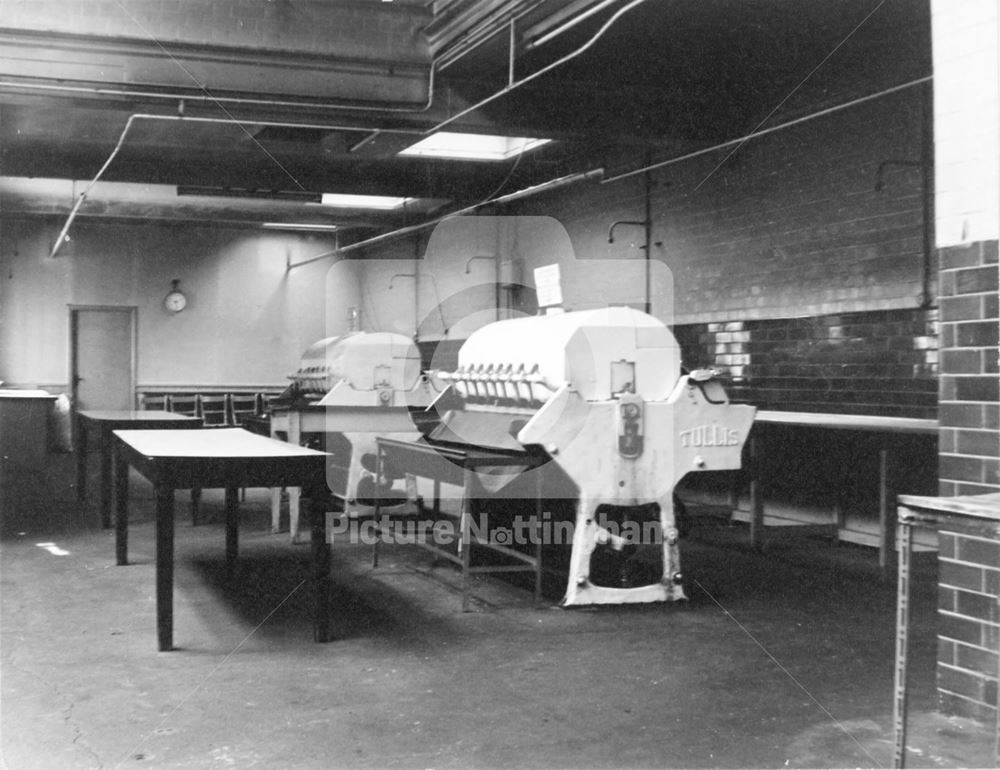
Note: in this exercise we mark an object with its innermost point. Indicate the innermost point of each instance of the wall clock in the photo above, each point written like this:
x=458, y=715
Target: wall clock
x=175, y=301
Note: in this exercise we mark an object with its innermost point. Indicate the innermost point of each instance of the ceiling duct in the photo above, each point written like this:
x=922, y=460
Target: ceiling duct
x=296, y=196
x=296, y=134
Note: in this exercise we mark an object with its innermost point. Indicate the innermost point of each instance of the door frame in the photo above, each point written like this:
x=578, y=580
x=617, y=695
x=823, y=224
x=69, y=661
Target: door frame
x=74, y=310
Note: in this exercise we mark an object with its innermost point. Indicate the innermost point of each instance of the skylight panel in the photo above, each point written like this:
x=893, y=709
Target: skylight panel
x=455, y=146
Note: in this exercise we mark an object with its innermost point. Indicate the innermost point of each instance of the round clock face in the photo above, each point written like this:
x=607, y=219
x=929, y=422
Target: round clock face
x=175, y=302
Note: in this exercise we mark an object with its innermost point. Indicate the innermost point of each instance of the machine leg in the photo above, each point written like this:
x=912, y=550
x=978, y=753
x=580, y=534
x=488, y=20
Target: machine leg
x=232, y=529
x=165, y=567
x=671, y=549
x=583, y=546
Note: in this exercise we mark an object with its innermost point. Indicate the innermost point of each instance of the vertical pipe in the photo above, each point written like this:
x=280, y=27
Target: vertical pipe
x=416, y=301
x=510, y=61
x=649, y=237
x=927, y=163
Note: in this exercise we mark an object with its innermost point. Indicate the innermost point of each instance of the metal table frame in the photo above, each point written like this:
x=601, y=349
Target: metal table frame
x=458, y=466
x=106, y=421
x=230, y=458
x=967, y=514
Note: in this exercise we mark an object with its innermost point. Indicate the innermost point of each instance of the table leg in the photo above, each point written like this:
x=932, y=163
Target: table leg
x=232, y=528
x=887, y=528
x=465, y=541
x=275, y=492
x=275, y=510
x=321, y=571
x=105, y=478
x=294, y=437
x=377, y=530
x=121, y=509
x=756, y=498
x=80, y=438
x=195, y=505
x=539, y=515
x=165, y=567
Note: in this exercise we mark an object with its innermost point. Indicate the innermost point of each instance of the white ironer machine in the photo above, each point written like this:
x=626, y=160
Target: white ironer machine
x=601, y=393
x=347, y=390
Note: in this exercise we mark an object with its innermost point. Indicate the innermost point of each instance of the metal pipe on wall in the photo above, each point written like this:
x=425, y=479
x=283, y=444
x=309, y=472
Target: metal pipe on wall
x=765, y=131
x=510, y=197
x=147, y=116
x=430, y=97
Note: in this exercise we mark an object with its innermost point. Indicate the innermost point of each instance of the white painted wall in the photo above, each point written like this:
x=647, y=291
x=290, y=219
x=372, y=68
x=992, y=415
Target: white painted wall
x=966, y=39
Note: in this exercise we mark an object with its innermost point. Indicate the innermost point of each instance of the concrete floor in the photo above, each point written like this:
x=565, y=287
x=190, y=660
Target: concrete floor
x=782, y=659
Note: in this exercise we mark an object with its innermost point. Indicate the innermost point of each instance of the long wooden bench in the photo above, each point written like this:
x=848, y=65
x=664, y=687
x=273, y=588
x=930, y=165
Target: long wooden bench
x=884, y=427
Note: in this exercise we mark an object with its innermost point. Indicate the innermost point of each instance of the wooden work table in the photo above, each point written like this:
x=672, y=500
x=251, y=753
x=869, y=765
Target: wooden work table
x=885, y=428
x=868, y=422
x=101, y=423
x=229, y=458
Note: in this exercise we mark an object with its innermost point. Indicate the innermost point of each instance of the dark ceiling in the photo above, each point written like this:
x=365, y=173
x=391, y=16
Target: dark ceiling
x=627, y=82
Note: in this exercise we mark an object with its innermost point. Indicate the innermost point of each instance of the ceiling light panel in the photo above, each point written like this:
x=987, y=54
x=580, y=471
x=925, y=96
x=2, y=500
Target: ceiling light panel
x=480, y=147
x=377, y=202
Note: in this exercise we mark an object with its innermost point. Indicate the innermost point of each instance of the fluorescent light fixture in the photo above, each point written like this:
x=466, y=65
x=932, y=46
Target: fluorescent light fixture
x=446, y=144
x=299, y=226
x=382, y=202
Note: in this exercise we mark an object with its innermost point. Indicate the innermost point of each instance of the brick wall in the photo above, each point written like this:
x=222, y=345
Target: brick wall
x=800, y=222
x=970, y=384
x=873, y=362
x=969, y=634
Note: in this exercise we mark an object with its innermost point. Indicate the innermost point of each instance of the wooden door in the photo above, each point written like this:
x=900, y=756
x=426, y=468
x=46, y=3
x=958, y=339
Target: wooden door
x=102, y=357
